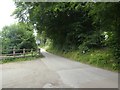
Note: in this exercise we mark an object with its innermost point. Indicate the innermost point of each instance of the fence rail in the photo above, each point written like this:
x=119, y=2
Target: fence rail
x=14, y=53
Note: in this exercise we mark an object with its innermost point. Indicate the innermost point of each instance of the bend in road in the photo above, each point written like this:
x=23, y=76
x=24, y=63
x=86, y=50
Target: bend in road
x=56, y=72
x=79, y=75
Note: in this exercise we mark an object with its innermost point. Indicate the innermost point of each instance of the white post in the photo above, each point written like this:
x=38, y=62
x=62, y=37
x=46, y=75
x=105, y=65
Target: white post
x=24, y=52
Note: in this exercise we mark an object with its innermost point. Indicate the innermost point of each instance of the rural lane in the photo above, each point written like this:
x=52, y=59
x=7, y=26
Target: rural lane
x=54, y=71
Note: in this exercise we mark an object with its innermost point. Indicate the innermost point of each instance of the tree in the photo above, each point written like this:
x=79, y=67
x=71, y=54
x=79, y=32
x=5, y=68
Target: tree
x=106, y=17
x=66, y=24
x=71, y=25
x=17, y=36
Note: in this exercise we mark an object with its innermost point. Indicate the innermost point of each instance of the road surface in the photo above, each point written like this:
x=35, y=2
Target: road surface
x=55, y=72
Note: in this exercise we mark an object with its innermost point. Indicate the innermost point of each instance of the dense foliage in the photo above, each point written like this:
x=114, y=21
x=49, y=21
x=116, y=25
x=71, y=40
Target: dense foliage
x=17, y=36
x=75, y=26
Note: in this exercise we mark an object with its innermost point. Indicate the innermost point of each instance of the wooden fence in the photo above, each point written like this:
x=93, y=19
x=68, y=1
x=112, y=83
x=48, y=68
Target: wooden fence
x=19, y=53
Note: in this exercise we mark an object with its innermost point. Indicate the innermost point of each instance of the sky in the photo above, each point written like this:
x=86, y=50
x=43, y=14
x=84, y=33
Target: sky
x=6, y=9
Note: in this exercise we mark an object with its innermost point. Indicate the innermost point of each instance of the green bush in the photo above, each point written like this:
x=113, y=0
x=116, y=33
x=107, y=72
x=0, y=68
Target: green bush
x=99, y=59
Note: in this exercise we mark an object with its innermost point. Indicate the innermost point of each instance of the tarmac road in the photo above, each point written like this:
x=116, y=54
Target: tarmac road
x=54, y=71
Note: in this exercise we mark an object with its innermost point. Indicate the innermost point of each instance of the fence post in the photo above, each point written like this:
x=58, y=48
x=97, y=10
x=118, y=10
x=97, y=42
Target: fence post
x=32, y=52
x=24, y=52
x=39, y=51
x=14, y=52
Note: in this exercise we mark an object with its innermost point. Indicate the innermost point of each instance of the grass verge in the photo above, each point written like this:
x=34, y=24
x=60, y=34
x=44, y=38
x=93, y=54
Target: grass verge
x=19, y=59
x=99, y=58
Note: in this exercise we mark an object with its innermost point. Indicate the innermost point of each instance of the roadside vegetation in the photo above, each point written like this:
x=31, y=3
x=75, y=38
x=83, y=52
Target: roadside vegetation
x=99, y=58
x=18, y=43
x=19, y=59
x=8, y=60
x=17, y=36
x=86, y=32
